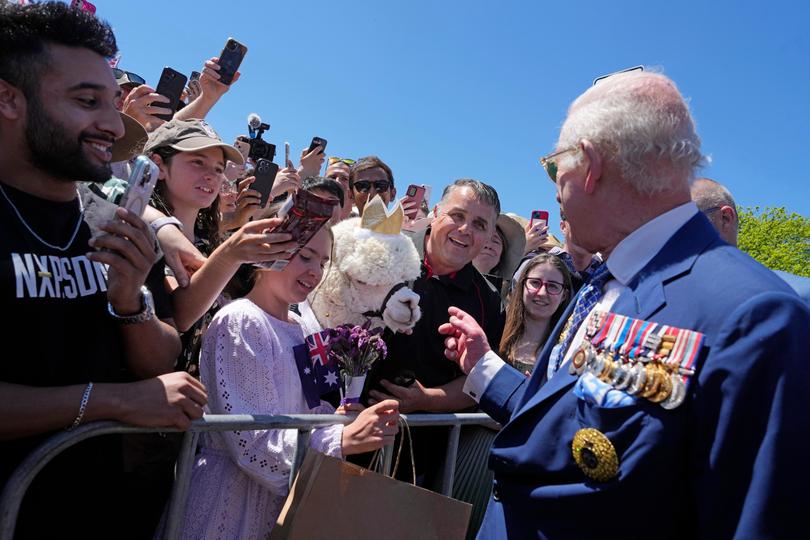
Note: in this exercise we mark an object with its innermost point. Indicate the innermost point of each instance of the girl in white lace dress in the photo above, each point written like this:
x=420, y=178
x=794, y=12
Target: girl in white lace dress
x=240, y=479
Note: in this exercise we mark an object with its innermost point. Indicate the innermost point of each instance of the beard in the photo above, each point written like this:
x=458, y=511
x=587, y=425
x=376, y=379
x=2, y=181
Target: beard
x=53, y=149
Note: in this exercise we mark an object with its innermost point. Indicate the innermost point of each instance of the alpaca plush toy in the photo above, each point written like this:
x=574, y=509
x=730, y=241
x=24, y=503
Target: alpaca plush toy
x=368, y=275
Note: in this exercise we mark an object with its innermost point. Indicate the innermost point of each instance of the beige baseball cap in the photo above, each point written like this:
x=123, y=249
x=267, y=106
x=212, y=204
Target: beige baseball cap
x=190, y=135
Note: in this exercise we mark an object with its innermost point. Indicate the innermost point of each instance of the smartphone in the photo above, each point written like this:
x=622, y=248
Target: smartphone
x=538, y=216
x=304, y=215
x=417, y=193
x=265, y=174
x=317, y=141
x=142, y=182
x=195, y=76
x=171, y=84
x=243, y=145
x=230, y=59
x=286, y=153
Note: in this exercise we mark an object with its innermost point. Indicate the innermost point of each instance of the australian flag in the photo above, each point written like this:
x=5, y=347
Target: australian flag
x=318, y=375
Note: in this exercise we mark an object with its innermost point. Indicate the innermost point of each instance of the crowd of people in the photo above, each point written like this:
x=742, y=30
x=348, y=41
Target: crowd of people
x=643, y=356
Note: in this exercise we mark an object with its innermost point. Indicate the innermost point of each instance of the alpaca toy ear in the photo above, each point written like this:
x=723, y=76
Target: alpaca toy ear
x=376, y=217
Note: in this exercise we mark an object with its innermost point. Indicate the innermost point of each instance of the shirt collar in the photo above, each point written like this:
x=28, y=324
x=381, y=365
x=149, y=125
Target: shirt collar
x=638, y=248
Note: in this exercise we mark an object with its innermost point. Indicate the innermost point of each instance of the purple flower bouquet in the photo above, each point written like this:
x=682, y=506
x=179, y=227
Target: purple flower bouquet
x=355, y=348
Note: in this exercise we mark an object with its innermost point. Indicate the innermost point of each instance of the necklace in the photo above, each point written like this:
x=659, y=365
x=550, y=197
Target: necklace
x=38, y=237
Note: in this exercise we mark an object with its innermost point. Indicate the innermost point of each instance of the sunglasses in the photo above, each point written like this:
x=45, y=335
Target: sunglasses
x=550, y=164
x=364, y=185
x=126, y=77
x=346, y=161
x=533, y=285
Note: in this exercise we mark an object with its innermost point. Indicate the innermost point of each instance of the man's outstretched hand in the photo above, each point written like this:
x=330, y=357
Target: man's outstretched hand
x=466, y=341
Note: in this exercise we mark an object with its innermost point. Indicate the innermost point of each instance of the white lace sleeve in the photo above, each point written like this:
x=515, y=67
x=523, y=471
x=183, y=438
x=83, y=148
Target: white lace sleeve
x=242, y=365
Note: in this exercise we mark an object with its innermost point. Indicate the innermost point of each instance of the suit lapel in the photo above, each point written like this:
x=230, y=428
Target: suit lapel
x=645, y=296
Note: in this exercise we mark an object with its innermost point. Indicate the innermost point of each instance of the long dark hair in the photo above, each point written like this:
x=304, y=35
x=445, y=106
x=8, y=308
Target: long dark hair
x=516, y=310
x=206, y=226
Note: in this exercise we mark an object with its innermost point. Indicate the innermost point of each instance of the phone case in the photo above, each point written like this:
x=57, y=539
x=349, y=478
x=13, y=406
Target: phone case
x=539, y=215
x=418, y=194
x=317, y=141
x=265, y=174
x=243, y=147
x=230, y=59
x=141, y=184
x=306, y=214
x=171, y=84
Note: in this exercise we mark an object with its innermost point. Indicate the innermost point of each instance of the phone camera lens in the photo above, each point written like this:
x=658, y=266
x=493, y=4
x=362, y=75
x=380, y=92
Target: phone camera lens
x=231, y=46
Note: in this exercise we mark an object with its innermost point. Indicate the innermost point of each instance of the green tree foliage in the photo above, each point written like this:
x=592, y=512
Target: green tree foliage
x=779, y=240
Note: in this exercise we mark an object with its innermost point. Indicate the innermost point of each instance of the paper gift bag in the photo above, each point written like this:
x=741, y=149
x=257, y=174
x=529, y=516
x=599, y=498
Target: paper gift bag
x=333, y=500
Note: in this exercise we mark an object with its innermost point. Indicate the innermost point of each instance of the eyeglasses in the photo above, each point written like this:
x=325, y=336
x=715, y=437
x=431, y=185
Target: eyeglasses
x=550, y=164
x=712, y=209
x=345, y=161
x=126, y=77
x=533, y=285
x=364, y=185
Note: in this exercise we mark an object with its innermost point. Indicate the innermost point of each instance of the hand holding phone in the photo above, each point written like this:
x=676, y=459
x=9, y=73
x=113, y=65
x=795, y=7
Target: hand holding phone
x=304, y=215
x=171, y=84
x=142, y=182
x=416, y=194
x=317, y=141
x=230, y=59
x=539, y=217
x=265, y=175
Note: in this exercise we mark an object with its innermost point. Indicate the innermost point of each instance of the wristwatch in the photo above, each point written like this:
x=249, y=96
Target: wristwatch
x=169, y=220
x=147, y=309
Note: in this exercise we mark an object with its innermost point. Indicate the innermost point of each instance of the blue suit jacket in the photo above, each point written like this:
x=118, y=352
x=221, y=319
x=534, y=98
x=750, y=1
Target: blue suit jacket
x=731, y=461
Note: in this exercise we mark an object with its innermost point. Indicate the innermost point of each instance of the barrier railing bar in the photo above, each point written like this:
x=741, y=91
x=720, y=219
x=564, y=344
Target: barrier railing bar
x=182, y=483
x=22, y=477
x=448, y=475
x=300, y=451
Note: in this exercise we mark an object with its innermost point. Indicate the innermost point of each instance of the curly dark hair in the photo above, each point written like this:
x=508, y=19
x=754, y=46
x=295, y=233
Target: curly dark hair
x=25, y=31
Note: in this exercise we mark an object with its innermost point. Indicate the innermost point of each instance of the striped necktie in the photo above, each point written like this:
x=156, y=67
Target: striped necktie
x=587, y=298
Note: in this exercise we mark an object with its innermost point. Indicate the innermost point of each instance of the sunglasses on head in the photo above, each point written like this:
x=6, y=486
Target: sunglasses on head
x=363, y=186
x=345, y=161
x=126, y=77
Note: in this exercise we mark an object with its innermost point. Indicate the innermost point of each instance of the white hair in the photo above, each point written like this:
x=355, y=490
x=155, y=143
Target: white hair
x=647, y=133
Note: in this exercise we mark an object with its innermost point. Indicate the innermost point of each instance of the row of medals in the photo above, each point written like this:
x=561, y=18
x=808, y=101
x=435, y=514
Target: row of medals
x=648, y=376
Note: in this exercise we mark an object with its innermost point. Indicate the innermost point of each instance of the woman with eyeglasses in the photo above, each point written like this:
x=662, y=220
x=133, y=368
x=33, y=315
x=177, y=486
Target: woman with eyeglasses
x=535, y=305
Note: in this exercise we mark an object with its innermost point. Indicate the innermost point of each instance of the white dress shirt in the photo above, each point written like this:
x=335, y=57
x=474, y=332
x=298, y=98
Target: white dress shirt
x=628, y=258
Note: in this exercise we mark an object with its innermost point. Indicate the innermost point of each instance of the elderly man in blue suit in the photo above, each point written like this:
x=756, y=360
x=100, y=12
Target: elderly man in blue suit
x=671, y=401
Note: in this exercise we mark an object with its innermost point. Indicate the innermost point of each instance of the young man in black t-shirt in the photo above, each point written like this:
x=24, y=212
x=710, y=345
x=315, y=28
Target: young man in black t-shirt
x=77, y=277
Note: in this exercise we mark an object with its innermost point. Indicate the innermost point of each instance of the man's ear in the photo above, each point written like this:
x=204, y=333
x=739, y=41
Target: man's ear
x=594, y=165
x=12, y=101
x=728, y=217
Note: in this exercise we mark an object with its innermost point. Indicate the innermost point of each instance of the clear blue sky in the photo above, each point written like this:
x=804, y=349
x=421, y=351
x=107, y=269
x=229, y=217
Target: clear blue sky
x=448, y=89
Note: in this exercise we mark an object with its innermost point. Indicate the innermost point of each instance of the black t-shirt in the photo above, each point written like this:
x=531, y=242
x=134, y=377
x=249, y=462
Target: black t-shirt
x=422, y=352
x=57, y=332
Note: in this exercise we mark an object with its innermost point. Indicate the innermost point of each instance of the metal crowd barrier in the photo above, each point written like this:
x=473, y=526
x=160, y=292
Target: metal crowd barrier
x=21, y=478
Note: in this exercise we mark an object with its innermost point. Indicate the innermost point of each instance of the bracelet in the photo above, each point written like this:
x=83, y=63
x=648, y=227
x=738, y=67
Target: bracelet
x=82, y=407
x=169, y=220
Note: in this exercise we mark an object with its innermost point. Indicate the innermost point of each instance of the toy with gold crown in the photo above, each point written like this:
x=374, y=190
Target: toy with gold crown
x=372, y=264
